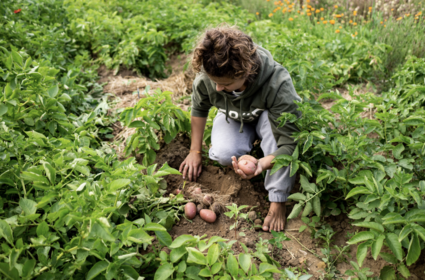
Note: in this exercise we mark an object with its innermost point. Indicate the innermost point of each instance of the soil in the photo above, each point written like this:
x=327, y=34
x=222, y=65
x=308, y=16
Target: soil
x=227, y=187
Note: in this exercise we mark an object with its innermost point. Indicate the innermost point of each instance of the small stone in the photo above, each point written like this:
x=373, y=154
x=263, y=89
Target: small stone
x=258, y=221
x=294, y=262
x=248, y=242
x=321, y=265
x=185, y=223
x=190, y=231
x=252, y=215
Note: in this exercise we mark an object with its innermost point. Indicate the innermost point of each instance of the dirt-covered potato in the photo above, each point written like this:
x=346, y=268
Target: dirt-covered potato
x=208, y=215
x=248, y=167
x=190, y=210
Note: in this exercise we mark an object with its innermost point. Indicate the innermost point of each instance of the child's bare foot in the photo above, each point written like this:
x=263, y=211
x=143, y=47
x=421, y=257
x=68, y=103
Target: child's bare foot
x=276, y=218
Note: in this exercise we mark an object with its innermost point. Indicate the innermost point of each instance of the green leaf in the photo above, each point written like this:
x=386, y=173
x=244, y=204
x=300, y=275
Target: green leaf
x=164, y=238
x=154, y=227
x=139, y=236
x=130, y=271
x=395, y=246
x=420, y=231
x=404, y=233
x=266, y=267
x=307, y=144
x=9, y=273
x=96, y=269
x=205, y=273
x=371, y=225
x=388, y=257
x=182, y=239
x=195, y=256
x=42, y=229
x=164, y=272
x=34, y=177
x=28, y=206
x=358, y=190
x=295, y=211
x=102, y=232
x=3, y=109
x=398, y=150
x=307, y=186
x=53, y=91
x=362, y=252
x=17, y=58
x=377, y=246
x=177, y=254
x=361, y=236
x=414, y=250
x=245, y=262
x=50, y=172
x=387, y=273
x=28, y=267
x=6, y=232
x=403, y=270
x=213, y=253
x=297, y=197
x=152, y=123
x=216, y=268
x=119, y=184
x=294, y=167
x=232, y=265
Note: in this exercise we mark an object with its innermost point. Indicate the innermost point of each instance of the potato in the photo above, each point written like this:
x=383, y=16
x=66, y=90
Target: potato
x=208, y=215
x=177, y=191
x=199, y=207
x=190, y=210
x=197, y=191
x=217, y=207
x=248, y=158
x=248, y=167
x=208, y=200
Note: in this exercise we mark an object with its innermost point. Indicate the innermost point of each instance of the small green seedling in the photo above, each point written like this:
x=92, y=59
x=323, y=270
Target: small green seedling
x=235, y=212
x=278, y=238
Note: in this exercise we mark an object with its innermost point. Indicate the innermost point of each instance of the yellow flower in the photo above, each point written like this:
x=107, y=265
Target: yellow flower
x=302, y=6
x=322, y=18
x=312, y=9
x=418, y=14
x=308, y=1
x=354, y=23
x=325, y=21
x=309, y=7
x=318, y=22
x=271, y=14
x=290, y=19
x=407, y=15
x=400, y=18
x=336, y=6
x=257, y=13
x=337, y=31
x=338, y=16
x=351, y=21
x=309, y=14
x=340, y=27
x=332, y=22
x=352, y=35
x=382, y=22
x=302, y=13
x=322, y=9
x=356, y=33
x=385, y=26
x=392, y=9
x=355, y=13
x=308, y=10
x=317, y=11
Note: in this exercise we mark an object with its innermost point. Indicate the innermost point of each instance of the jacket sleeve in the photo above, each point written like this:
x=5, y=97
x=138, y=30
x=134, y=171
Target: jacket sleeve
x=283, y=102
x=201, y=103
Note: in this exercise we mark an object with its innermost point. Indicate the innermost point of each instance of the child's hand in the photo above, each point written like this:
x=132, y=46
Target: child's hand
x=260, y=168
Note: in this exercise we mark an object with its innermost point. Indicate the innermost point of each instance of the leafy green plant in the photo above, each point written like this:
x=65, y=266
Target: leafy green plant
x=278, y=238
x=235, y=213
x=153, y=112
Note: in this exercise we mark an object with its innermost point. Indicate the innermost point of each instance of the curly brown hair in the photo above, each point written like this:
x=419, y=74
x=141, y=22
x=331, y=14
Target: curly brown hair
x=226, y=52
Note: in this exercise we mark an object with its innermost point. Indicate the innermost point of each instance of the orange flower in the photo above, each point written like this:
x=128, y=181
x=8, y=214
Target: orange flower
x=309, y=6
x=308, y=10
x=385, y=26
x=318, y=22
x=290, y=19
x=302, y=6
x=351, y=21
x=271, y=14
x=325, y=21
x=309, y=14
x=322, y=18
x=352, y=35
x=312, y=9
x=340, y=27
x=317, y=11
x=407, y=15
x=332, y=22
x=356, y=33
x=337, y=31
x=354, y=13
x=392, y=9
x=308, y=1
x=257, y=13
x=370, y=8
x=400, y=18
x=322, y=9
x=336, y=6
x=354, y=23
x=418, y=14
x=338, y=16
x=17, y=11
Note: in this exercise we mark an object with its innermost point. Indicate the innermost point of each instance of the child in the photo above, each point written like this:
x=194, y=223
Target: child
x=250, y=90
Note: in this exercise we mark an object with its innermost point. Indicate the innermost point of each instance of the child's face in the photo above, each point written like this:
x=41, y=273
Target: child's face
x=227, y=84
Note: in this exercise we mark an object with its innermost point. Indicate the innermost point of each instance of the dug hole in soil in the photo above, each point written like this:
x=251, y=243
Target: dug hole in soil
x=223, y=182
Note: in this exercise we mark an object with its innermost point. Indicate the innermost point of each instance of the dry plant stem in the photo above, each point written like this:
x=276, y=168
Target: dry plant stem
x=314, y=254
